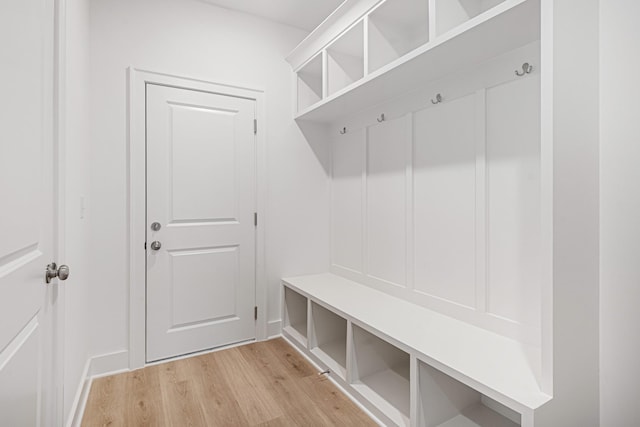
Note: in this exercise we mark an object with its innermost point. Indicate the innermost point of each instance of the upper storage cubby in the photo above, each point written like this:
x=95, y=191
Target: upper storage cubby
x=396, y=28
x=451, y=13
x=345, y=59
x=408, y=44
x=310, y=83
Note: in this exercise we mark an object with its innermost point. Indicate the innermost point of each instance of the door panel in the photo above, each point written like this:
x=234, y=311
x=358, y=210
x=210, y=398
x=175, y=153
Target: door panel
x=201, y=190
x=26, y=216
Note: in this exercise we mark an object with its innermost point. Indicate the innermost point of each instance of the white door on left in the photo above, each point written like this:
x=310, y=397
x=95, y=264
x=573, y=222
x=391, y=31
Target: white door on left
x=26, y=213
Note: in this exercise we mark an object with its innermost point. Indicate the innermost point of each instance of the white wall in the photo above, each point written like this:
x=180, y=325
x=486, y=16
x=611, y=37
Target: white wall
x=76, y=159
x=193, y=39
x=619, y=213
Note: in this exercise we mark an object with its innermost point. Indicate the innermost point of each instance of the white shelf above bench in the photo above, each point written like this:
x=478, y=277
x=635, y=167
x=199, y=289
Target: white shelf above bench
x=456, y=45
x=495, y=366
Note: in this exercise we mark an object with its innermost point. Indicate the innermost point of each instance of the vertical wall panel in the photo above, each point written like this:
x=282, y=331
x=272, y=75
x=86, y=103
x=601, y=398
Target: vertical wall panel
x=386, y=201
x=444, y=170
x=346, y=200
x=513, y=153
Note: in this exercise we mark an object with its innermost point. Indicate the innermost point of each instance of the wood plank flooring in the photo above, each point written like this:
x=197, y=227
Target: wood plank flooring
x=263, y=384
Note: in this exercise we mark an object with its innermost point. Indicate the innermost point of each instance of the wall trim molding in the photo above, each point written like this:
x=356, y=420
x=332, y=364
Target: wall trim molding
x=274, y=328
x=137, y=79
x=95, y=367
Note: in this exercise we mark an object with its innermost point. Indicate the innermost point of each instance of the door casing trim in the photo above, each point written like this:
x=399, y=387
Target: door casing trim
x=137, y=80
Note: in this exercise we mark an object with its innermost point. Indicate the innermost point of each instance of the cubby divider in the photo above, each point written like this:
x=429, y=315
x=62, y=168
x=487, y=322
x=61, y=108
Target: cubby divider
x=395, y=29
x=328, y=339
x=345, y=59
x=295, y=315
x=310, y=83
x=381, y=374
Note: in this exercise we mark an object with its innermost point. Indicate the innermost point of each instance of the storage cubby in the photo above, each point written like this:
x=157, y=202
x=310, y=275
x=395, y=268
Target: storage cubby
x=329, y=338
x=396, y=28
x=380, y=373
x=295, y=315
x=446, y=402
x=451, y=13
x=345, y=59
x=310, y=83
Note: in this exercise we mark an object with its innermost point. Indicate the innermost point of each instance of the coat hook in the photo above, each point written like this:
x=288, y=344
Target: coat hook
x=438, y=99
x=526, y=69
x=381, y=118
x=343, y=131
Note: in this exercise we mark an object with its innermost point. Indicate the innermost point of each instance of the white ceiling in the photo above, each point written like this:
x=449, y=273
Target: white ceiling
x=305, y=14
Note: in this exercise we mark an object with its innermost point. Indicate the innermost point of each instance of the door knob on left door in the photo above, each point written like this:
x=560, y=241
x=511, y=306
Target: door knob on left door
x=53, y=271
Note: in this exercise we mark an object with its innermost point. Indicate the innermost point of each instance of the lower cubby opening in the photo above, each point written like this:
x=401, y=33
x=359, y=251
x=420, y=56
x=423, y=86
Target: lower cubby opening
x=295, y=315
x=329, y=339
x=380, y=373
x=446, y=402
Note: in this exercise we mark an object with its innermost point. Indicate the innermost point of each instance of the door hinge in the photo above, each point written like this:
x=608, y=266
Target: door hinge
x=255, y=126
x=145, y=246
x=255, y=313
x=255, y=219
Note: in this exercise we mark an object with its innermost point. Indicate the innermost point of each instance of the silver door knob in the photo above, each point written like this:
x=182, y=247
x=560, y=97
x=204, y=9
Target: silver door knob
x=156, y=245
x=52, y=271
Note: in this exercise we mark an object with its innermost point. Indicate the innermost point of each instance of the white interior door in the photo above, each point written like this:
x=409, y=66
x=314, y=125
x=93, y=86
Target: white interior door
x=26, y=213
x=201, y=195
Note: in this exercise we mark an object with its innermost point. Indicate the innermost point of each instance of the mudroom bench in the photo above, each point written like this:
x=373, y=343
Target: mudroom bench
x=406, y=364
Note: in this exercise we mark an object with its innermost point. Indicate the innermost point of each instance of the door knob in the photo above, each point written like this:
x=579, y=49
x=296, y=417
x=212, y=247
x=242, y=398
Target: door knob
x=156, y=245
x=53, y=271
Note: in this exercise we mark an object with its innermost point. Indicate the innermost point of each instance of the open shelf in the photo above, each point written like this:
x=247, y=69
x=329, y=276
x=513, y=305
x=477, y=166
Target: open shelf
x=396, y=28
x=345, y=59
x=381, y=375
x=329, y=339
x=470, y=42
x=446, y=402
x=295, y=315
x=310, y=83
x=451, y=13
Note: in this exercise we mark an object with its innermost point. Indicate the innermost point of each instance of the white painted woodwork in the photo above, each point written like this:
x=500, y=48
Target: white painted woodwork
x=465, y=46
x=444, y=175
x=446, y=402
x=381, y=374
x=201, y=189
x=404, y=364
x=328, y=339
x=345, y=59
x=27, y=226
x=310, y=83
x=386, y=194
x=493, y=365
x=452, y=13
x=347, y=189
x=513, y=200
x=395, y=28
x=295, y=315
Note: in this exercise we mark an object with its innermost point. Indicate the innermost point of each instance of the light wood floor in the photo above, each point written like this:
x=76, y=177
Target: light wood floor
x=261, y=384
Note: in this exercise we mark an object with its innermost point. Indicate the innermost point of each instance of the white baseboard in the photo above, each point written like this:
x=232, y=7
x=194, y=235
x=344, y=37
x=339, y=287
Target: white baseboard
x=97, y=366
x=80, y=399
x=274, y=328
x=108, y=364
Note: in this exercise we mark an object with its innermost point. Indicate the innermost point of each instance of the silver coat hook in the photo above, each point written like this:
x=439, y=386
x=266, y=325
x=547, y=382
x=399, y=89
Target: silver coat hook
x=343, y=131
x=438, y=99
x=526, y=69
x=381, y=118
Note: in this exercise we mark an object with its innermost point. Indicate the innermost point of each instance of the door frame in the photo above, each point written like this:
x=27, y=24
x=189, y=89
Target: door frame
x=137, y=80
